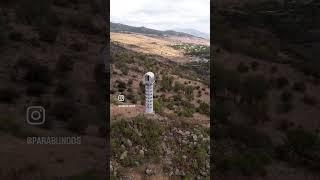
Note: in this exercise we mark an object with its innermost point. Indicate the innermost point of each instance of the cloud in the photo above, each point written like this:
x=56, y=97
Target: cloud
x=163, y=14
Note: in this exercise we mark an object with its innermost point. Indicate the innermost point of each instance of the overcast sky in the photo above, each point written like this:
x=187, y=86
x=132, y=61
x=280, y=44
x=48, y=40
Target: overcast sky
x=162, y=14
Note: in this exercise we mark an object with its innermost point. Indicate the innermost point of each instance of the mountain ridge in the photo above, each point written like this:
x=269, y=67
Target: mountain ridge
x=119, y=27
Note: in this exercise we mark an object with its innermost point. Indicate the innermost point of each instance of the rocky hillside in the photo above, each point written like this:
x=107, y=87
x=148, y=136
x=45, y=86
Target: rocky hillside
x=117, y=27
x=50, y=57
x=174, y=143
x=266, y=90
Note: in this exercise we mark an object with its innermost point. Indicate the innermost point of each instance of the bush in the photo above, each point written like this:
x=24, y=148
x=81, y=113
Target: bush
x=121, y=85
x=3, y=34
x=188, y=91
x=299, y=86
x=281, y=82
x=254, y=65
x=242, y=68
x=310, y=100
x=286, y=96
x=301, y=148
x=158, y=106
x=16, y=36
x=38, y=73
x=130, y=81
x=48, y=33
x=65, y=63
x=178, y=86
x=166, y=83
x=9, y=125
x=186, y=111
x=78, y=124
x=84, y=23
x=63, y=110
x=8, y=94
x=254, y=88
x=79, y=46
x=63, y=89
x=37, y=12
x=150, y=138
x=285, y=107
x=62, y=3
x=204, y=108
x=273, y=69
x=132, y=98
x=36, y=89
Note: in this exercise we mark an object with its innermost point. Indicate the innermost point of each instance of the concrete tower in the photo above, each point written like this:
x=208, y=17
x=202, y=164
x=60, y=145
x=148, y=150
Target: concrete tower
x=148, y=81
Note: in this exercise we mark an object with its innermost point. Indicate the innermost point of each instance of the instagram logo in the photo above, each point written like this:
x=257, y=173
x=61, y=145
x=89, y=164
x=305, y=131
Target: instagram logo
x=35, y=115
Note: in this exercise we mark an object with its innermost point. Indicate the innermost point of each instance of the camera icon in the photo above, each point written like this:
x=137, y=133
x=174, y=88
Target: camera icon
x=36, y=115
x=120, y=98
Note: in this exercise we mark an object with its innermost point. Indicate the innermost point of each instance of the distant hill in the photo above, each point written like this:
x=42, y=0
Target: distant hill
x=117, y=27
x=194, y=33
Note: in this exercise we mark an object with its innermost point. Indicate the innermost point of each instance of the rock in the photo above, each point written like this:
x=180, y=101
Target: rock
x=203, y=173
x=129, y=143
x=148, y=172
x=187, y=133
x=195, y=138
x=124, y=155
x=177, y=172
x=123, y=147
x=184, y=157
x=180, y=132
x=141, y=152
x=184, y=141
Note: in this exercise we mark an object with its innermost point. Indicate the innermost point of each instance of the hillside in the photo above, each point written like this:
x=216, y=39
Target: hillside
x=50, y=57
x=267, y=84
x=117, y=27
x=174, y=143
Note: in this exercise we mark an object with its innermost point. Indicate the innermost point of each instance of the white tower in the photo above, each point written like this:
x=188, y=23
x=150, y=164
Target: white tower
x=148, y=81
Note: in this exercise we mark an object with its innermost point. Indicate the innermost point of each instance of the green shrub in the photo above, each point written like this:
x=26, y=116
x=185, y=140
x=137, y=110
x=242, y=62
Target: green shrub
x=188, y=91
x=158, y=106
x=204, y=108
x=121, y=85
x=150, y=139
x=186, y=111
x=178, y=86
x=166, y=83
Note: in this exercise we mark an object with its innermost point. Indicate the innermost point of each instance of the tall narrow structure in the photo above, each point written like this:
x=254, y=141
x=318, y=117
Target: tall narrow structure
x=148, y=81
